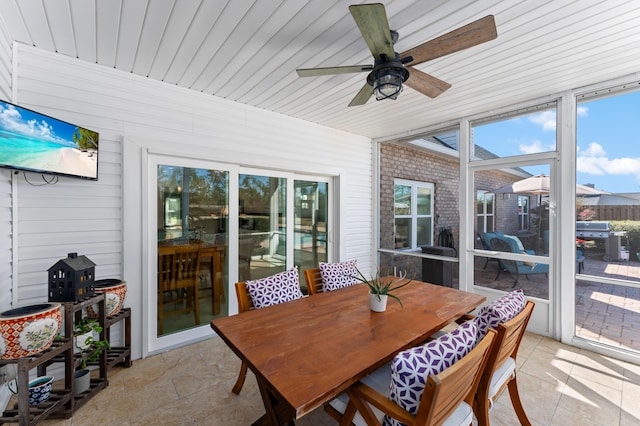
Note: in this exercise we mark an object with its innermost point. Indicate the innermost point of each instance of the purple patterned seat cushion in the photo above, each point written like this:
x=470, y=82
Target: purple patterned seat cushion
x=278, y=288
x=501, y=310
x=338, y=275
x=411, y=368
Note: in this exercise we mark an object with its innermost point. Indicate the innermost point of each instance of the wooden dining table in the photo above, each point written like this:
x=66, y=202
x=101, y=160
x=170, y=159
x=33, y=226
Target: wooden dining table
x=306, y=352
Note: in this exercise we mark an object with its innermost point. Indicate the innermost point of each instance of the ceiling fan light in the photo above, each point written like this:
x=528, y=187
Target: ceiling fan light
x=388, y=84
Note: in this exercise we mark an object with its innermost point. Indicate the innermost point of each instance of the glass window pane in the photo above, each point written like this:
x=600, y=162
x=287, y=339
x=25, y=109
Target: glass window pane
x=424, y=231
x=403, y=233
x=310, y=219
x=424, y=200
x=402, y=200
x=489, y=203
x=262, y=226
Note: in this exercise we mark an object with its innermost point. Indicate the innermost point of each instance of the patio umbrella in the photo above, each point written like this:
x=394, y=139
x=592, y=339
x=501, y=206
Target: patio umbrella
x=540, y=185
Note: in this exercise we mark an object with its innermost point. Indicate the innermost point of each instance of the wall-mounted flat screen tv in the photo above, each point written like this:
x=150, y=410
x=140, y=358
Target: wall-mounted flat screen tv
x=35, y=142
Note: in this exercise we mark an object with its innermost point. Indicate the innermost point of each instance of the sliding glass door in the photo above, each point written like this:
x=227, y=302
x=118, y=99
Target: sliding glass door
x=211, y=225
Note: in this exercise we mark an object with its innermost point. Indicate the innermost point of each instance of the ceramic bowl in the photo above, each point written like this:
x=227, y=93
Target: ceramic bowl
x=40, y=390
x=115, y=291
x=28, y=330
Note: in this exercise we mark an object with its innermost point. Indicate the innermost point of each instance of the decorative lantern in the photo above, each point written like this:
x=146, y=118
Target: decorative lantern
x=71, y=279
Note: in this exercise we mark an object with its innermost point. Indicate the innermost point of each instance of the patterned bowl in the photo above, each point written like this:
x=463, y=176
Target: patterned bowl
x=39, y=389
x=115, y=291
x=28, y=330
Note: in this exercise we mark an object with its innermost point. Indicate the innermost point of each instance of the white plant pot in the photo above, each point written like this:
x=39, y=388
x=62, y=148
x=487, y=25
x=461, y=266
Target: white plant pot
x=80, y=340
x=81, y=381
x=378, y=303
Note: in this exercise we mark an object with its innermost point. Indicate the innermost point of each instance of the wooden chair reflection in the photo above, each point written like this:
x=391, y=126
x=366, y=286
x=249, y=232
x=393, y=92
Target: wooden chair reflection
x=178, y=281
x=211, y=259
x=313, y=279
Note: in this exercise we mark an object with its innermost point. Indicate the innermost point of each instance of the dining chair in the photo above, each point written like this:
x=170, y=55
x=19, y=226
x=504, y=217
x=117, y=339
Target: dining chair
x=313, y=278
x=244, y=304
x=211, y=266
x=500, y=371
x=255, y=294
x=178, y=281
x=450, y=379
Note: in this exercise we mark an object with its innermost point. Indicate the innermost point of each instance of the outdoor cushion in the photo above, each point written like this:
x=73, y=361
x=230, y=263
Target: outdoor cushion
x=379, y=380
x=499, y=311
x=338, y=275
x=500, y=376
x=278, y=288
x=411, y=368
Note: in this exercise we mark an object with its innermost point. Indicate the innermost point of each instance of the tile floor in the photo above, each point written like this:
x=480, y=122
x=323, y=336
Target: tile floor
x=559, y=385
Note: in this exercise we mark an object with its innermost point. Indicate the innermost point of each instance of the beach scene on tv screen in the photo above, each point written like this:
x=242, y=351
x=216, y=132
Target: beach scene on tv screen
x=33, y=141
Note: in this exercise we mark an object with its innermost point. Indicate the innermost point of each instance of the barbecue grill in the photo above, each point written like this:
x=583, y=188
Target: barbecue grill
x=601, y=230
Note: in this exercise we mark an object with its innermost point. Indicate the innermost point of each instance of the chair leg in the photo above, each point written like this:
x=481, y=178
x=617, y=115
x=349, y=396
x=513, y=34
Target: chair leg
x=499, y=272
x=196, y=304
x=486, y=263
x=517, y=404
x=481, y=411
x=240, y=381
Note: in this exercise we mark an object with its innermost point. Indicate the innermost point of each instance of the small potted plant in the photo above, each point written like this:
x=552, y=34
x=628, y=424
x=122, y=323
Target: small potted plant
x=86, y=332
x=380, y=288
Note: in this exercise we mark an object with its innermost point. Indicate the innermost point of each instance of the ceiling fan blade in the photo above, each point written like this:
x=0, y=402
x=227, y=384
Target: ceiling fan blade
x=374, y=26
x=363, y=95
x=472, y=34
x=312, y=72
x=425, y=83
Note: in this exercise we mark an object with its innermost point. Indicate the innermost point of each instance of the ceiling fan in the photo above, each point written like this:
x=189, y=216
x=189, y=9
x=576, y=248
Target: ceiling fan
x=390, y=68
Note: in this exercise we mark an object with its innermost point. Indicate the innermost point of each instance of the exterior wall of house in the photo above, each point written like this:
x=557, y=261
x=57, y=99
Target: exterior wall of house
x=6, y=240
x=506, y=207
x=402, y=162
x=136, y=116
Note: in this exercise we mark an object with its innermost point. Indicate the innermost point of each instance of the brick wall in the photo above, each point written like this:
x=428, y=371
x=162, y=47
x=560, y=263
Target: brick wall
x=404, y=162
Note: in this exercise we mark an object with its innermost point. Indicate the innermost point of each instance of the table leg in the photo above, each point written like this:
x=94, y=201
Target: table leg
x=275, y=413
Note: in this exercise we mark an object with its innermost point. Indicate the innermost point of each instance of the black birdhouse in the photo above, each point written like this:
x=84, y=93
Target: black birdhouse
x=71, y=279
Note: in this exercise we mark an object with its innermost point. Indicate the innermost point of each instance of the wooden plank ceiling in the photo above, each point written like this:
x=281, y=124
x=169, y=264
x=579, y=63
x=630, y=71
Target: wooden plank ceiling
x=247, y=51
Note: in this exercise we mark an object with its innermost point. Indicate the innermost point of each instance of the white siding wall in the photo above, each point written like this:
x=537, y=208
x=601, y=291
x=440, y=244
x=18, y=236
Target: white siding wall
x=6, y=240
x=103, y=220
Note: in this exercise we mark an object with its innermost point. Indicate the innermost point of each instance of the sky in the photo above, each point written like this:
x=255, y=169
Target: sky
x=608, y=140
x=28, y=123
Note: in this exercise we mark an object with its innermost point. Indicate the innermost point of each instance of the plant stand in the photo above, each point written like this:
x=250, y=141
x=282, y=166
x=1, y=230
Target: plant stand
x=60, y=401
x=61, y=351
x=119, y=355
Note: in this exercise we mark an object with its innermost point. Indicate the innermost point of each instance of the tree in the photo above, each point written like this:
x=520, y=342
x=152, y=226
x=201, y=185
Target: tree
x=85, y=139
